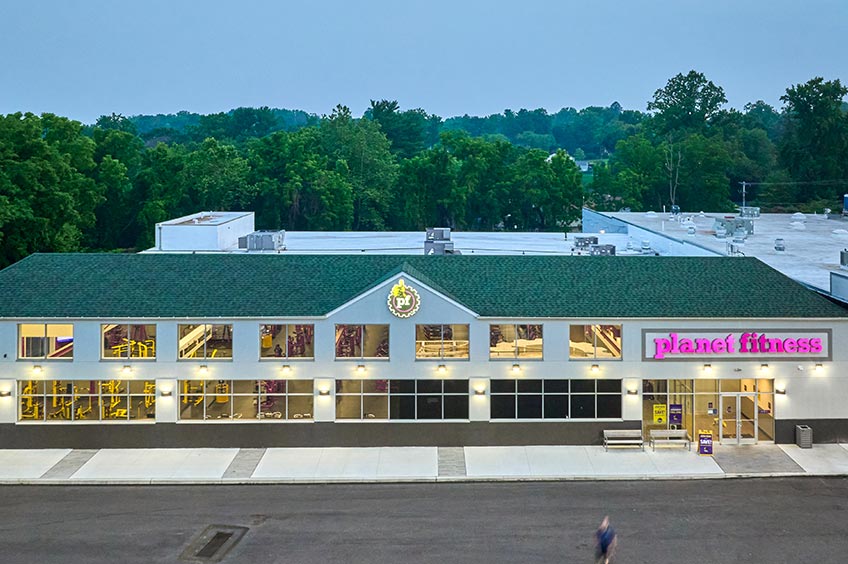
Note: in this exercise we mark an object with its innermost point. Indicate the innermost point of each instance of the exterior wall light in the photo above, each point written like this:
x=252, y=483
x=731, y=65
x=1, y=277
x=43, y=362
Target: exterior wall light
x=708, y=368
x=36, y=369
x=323, y=391
x=632, y=392
x=286, y=369
x=203, y=369
x=516, y=369
x=595, y=368
x=166, y=393
x=479, y=391
x=360, y=369
x=780, y=391
x=5, y=393
x=819, y=367
x=764, y=368
x=442, y=369
x=127, y=369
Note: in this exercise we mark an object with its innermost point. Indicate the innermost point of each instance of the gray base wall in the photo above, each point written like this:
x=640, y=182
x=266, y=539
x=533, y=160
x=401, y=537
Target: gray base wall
x=824, y=430
x=233, y=435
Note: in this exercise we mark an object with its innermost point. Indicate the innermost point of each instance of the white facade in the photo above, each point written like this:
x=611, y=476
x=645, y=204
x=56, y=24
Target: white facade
x=809, y=393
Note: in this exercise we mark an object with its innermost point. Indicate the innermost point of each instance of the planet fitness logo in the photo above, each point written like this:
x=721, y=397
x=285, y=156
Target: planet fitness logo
x=403, y=301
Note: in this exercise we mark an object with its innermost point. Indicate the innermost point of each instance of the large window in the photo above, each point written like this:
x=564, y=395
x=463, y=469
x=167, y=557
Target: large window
x=128, y=341
x=46, y=341
x=515, y=341
x=556, y=399
x=205, y=341
x=204, y=400
x=697, y=404
x=594, y=341
x=441, y=341
x=86, y=400
x=362, y=341
x=402, y=399
x=287, y=341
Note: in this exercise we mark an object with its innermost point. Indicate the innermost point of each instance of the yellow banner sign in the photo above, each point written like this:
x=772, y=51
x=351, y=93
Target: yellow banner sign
x=659, y=414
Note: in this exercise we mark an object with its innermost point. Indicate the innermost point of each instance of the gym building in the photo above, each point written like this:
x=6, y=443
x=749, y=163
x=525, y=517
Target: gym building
x=223, y=350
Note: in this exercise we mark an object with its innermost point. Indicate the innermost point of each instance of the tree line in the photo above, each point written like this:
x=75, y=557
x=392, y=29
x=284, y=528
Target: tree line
x=66, y=186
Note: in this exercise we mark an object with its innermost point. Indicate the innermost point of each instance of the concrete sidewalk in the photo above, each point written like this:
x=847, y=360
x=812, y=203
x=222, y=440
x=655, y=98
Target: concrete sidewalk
x=411, y=464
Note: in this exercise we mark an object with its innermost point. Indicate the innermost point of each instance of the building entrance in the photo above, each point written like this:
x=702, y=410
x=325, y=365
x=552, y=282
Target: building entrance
x=738, y=419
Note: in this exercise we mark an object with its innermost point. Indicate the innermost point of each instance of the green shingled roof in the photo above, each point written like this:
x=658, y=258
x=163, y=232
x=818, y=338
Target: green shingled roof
x=280, y=285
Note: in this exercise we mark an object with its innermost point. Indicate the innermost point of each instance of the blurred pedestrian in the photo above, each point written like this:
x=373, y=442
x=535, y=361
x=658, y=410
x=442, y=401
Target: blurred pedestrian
x=606, y=542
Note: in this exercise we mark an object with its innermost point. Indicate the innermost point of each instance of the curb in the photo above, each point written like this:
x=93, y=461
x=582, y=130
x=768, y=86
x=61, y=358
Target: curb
x=427, y=480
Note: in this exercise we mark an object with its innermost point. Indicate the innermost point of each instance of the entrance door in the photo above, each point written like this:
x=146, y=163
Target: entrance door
x=738, y=419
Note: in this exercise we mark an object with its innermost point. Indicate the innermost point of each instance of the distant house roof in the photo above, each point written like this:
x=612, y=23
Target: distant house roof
x=271, y=286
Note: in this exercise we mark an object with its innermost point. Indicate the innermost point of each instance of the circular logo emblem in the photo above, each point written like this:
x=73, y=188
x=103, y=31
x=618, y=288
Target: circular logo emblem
x=403, y=300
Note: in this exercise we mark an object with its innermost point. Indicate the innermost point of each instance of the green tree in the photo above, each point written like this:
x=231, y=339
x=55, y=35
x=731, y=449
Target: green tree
x=361, y=150
x=815, y=147
x=687, y=103
x=47, y=188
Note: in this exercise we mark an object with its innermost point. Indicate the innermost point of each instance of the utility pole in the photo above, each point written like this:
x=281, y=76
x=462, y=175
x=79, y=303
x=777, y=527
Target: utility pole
x=744, y=184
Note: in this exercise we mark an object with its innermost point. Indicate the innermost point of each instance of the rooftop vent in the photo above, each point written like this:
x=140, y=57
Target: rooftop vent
x=602, y=250
x=263, y=241
x=843, y=259
x=585, y=242
x=779, y=245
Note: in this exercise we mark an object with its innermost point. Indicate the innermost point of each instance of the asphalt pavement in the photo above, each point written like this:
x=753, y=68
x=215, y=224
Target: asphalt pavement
x=775, y=520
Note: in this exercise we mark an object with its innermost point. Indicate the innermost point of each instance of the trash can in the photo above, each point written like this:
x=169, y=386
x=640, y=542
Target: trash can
x=804, y=436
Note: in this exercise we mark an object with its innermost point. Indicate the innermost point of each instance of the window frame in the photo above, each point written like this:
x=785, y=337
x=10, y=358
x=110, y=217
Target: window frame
x=100, y=395
x=286, y=356
x=442, y=357
x=44, y=337
x=129, y=357
x=206, y=357
x=388, y=395
x=362, y=356
x=517, y=356
x=595, y=357
x=543, y=394
x=257, y=396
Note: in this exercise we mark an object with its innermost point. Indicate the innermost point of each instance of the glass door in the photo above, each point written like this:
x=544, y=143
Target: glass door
x=738, y=419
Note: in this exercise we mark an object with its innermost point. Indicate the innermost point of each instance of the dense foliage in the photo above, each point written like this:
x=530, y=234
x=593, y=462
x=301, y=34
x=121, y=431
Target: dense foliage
x=65, y=186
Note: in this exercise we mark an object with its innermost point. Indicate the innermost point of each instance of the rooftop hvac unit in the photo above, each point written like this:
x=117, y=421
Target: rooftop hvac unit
x=749, y=212
x=602, y=251
x=585, y=242
x=438, y=234
x=438, y=248
x=263, y=241
x=843, y=259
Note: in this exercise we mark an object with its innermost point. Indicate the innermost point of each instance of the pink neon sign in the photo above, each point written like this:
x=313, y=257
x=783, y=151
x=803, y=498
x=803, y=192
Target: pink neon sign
x=746, y=343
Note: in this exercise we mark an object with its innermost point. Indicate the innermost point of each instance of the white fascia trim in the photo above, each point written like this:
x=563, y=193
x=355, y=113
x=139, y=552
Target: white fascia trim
x=392, y=281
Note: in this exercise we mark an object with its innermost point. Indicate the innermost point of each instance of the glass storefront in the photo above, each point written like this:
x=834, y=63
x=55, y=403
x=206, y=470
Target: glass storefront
x=737, y=411
x=86, y=400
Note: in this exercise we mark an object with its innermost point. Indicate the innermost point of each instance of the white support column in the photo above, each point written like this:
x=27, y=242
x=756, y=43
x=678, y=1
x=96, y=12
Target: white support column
x=8, y=404
x=167, y=407
x=478, y=404
x=325, y=400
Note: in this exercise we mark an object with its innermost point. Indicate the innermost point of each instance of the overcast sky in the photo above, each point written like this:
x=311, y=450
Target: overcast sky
x=85, y=58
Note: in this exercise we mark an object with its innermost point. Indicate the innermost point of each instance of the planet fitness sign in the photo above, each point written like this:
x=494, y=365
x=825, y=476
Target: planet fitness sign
x=404, y=300
x=750, y=344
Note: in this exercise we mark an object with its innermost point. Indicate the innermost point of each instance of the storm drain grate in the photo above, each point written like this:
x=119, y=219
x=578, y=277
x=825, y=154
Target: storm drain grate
x=213, y=543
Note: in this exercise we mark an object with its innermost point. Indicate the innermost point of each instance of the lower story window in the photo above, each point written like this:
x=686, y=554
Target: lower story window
x=86, y=400
x=202, y=400
x=555, y=399
x=402, y=399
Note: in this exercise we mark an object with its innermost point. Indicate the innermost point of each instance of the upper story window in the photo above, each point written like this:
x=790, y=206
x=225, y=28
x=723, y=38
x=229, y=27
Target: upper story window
x=46, y=341
x=362, y=341
x=287, y=341
x=594, y=341
x=128, y=341
x=441, y=341
x=515, y=341
x=205, y=341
